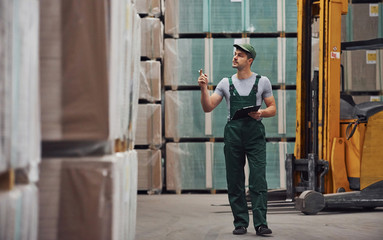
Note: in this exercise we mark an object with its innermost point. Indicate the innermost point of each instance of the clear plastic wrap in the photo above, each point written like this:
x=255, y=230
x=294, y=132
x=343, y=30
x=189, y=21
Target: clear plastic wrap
x=150, y=81
x=150, y=7
x=19, y=213
x=135, y=71
x=152, y=38
x=283, y=123
x=275, y=163
x=6, y=10
x=149, y=170
x=184, y=117
x=19, y=83
x=229, y=16
x=276, y=59
x=80, y=59
x=363, y=70
x=364, y=21
x=88, y=198
x=149, y=132
x=90, y=70
x=125, y=42
x=185, y=166
x=184, y=16
x=183, y=59
x=201, y=166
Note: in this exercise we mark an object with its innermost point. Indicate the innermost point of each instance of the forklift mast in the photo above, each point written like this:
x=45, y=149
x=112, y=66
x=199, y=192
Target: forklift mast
x=322, y=163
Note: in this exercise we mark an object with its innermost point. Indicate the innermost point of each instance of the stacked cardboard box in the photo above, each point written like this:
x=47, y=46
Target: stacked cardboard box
x=148, y=134
x=149, y=130
x=90, y=55
x=150, y=81
x=363, y=68
x=152, y=38
x=104, y=206
x=86, y=97
x=149, y=7
x=149, y=170
x=364, y=21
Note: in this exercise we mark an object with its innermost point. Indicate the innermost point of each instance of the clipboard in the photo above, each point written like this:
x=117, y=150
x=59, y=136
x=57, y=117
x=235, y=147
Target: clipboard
x=243, y=112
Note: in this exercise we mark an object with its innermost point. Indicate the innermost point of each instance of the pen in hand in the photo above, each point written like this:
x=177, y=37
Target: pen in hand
x=202, y=80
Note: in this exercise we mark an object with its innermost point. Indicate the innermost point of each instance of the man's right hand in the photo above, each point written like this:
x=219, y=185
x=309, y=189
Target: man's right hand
x=202, y=79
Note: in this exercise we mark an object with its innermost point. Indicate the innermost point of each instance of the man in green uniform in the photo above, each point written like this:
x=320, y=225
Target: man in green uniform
x=244, y=137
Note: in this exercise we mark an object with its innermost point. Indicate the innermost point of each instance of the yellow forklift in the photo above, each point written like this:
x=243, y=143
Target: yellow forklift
x=338, y=155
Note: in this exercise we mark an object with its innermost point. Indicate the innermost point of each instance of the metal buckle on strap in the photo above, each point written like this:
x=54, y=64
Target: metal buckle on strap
x=231, y=89
x=255, y=88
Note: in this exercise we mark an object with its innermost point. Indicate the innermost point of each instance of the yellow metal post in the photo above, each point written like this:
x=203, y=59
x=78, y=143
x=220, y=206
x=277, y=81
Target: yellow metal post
x=300, y=93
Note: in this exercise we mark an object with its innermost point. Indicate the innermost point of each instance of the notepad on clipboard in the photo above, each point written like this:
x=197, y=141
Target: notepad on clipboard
x=244, y=112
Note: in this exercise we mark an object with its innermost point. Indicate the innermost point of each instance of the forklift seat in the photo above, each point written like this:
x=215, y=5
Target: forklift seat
x=367, y=109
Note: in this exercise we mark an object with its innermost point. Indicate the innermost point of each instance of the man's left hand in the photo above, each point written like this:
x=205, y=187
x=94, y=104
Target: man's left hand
x=256, y=115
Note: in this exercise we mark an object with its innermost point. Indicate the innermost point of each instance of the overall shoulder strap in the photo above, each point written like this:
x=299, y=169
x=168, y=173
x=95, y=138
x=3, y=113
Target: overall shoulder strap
x=255, y=86
x=232, y=89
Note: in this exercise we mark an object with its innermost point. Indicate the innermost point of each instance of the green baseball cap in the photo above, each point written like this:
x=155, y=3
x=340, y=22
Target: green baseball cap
x=247, y=48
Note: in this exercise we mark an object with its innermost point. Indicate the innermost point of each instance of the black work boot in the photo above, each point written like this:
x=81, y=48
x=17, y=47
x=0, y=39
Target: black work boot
x=239, y=231
x=262, y=230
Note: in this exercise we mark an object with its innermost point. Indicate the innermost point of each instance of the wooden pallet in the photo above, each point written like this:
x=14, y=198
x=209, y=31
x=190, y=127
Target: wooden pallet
x=7, y=180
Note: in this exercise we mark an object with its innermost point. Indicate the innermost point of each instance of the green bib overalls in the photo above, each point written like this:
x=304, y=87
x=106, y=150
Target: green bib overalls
x=245, y=137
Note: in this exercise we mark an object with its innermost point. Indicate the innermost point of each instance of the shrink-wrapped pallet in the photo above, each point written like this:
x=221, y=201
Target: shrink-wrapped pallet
x=152, y=36
x=276, y=59
x=184, y=16
x=364, y=21
x=229, y=16
x=201, y=165
x=184, y=117
x=149, y=170
x=89, y=71
x=19, y=213
x=89, y=197
x=195, y=166
x=363, y=70
x=19, y=82
x=283, y=123
x=183, y=59
x=150, y=81
x=149, y=131
x=150, y=7
x=275, y=163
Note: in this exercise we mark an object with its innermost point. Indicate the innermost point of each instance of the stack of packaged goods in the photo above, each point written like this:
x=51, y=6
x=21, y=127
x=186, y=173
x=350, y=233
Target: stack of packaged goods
x=201, y=165
x=200, y=35
x=89, y=67
x=19, y=119
x=363, y=68
x=148, y=142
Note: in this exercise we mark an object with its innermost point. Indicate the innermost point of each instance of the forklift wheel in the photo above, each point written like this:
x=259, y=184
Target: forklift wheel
x=310, y=202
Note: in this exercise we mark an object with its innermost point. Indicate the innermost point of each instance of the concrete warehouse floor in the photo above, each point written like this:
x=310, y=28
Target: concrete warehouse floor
x=208, y=217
